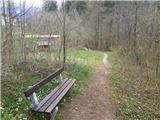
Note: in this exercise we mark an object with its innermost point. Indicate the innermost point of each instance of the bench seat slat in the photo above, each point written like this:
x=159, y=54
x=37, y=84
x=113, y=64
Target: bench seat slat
x=53, y=97
x=56, y=101
x=49, y=95
x=51, y=100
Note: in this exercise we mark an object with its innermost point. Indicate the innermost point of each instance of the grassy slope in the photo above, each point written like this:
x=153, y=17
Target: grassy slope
x=132, y=103
x=80, y=64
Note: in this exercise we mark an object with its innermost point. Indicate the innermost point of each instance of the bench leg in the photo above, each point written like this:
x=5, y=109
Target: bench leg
x=34, y=99
x=72, y=88
x=53, y=114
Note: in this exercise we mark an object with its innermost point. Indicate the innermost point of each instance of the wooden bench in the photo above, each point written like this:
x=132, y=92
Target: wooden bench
x=50, y=102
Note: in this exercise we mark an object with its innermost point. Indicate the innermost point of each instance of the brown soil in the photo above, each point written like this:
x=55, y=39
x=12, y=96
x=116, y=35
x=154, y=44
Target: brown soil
x=95, y=103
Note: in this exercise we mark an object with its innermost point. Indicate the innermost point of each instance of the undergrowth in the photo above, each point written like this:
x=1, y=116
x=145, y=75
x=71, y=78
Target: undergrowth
x=132, y=99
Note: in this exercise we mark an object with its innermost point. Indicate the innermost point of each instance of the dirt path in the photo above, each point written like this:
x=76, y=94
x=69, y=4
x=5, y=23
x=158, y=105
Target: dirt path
x=95, y=103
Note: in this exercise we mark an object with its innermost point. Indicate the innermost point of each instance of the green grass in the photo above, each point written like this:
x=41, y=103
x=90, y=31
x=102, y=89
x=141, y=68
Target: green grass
x=16, y=107
x=85, y=62
x=81, y=73
x=86, y=57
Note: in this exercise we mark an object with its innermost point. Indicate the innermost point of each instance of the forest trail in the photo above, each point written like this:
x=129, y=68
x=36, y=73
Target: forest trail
x=95, y=102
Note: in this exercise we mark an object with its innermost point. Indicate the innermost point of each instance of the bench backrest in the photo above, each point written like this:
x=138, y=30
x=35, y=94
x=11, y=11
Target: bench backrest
x=42, y=82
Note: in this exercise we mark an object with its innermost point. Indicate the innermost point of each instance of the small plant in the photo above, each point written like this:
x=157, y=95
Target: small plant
x=8, y=117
